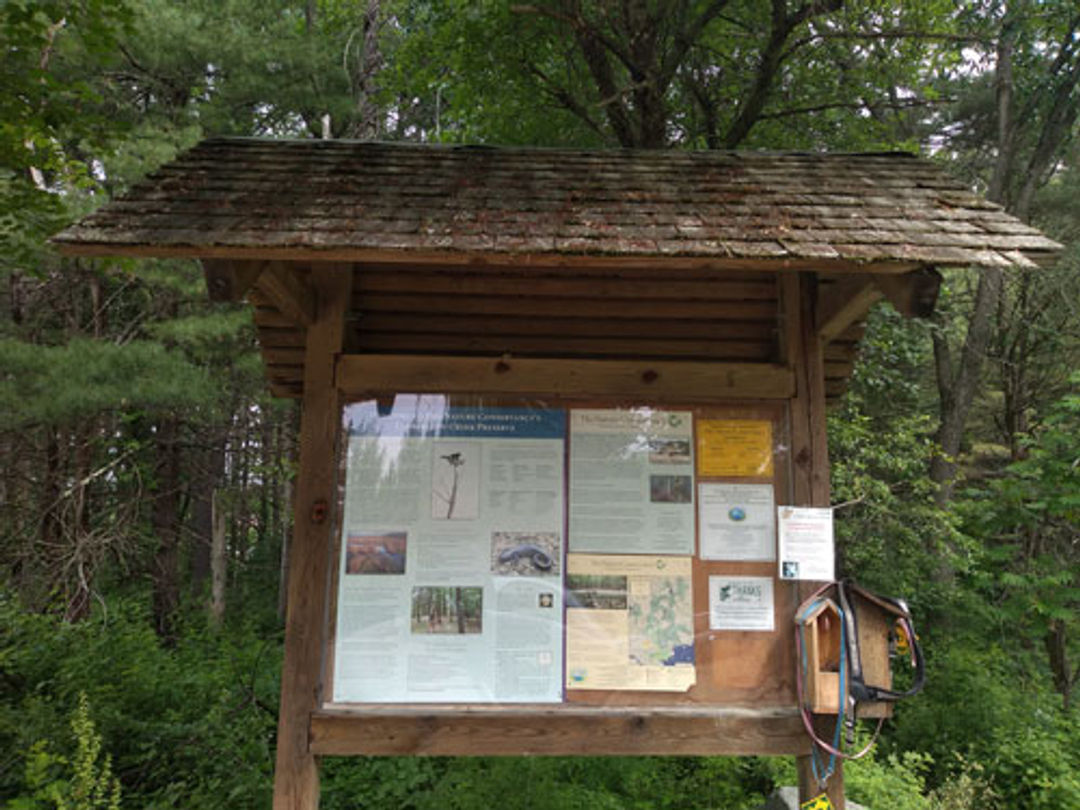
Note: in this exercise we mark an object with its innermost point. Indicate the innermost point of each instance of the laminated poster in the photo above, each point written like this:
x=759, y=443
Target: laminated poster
x=631, y=481
x=629, y=623
x=741, y=603
x=806, y=543
x=449, y=585
x=737, y=522
x=735, y=448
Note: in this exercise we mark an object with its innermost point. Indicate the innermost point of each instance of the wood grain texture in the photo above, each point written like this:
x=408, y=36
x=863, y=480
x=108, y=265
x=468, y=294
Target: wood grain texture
x=229, y=280
x=530, y=307
x=843, y=303
x=286, y=287
x=315, y=254
x=718, y=289
x=661, y=381
x=559, y=730
x=296, y=778
x=810, y=452
x=563, y=346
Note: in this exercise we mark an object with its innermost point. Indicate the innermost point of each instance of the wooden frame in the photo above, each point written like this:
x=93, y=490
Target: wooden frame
x=620, y=724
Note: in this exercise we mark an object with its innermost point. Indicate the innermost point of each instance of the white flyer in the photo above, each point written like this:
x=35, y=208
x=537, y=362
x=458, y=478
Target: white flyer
x=631, y=481
x=806, y=543
x=741, y=603
x=737, y=522
x=452, y=554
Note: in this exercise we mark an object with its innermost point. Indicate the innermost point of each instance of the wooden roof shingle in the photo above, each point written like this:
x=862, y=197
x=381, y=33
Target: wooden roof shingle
x=254, y=198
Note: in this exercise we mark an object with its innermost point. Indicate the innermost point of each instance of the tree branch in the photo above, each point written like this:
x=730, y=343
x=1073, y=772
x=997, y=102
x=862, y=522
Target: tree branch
x=771, y=58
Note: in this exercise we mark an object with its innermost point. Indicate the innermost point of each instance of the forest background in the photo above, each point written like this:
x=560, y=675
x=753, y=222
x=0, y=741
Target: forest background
x=145, y=484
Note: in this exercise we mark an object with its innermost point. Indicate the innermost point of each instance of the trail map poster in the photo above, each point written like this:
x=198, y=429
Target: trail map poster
x=632, y=481
x=450, y=577
x=629, y=623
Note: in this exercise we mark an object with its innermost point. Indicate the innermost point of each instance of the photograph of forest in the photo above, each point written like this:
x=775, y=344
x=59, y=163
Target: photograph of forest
x=149, y=473
x=441, y=610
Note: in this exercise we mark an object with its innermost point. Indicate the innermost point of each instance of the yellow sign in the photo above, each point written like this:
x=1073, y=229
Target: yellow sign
x=817, y=803
x=735, y=448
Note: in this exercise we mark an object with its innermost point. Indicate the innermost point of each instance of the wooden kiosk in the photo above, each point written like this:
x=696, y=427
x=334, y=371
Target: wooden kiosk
x=729, y=287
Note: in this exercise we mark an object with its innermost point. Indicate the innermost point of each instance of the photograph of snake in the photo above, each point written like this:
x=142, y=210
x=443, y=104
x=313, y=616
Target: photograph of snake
x=526, y=554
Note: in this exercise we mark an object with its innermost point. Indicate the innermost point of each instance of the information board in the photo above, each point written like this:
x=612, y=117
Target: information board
x=533, y=554
x=450, y=580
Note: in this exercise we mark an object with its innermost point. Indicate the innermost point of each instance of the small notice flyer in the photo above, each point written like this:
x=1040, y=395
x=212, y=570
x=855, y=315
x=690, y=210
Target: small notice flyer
x=737, y=521
x=631, y=481
x=735, y=448
x=806, y=543
x=450, y=577
x=741, y=603
x=629, y=623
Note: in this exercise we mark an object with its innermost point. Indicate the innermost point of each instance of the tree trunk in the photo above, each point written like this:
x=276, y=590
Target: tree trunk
x=218, y=559
x=202, y=518
x=957, y=390
x=166, y=565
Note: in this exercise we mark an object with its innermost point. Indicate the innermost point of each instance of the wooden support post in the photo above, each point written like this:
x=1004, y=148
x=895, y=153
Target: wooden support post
x=296, y=778
x=809, y=450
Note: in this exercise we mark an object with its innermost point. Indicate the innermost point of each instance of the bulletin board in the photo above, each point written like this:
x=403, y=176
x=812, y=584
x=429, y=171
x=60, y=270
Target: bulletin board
x=520, y=555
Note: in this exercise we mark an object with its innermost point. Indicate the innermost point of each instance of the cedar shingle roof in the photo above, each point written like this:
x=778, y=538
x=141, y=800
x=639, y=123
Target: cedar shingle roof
x=290, y=199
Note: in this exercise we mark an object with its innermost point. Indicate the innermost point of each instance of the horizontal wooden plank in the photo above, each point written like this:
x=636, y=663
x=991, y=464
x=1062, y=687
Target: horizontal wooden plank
x=545, y=307
x=415, y=282
x=277, y=337
x=283, y=356
x=654, y=381
x=436, y=343
x=656, y=272
x=287, y=390
x=562, y=730
x=135, y=247
x=266, y=315
x=597, y=326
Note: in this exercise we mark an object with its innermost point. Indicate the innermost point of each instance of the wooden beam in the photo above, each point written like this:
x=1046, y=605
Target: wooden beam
x=289, y=292
x=660, y=381
x=559, y=730
x=843, y=303
x=229, y=280
x=461, y=282
x=913, y=294
x=465, y=258
x=296, y=777
x=522, y=306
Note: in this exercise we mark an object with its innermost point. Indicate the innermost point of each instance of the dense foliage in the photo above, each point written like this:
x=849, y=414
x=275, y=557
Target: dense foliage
x=136, y=431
